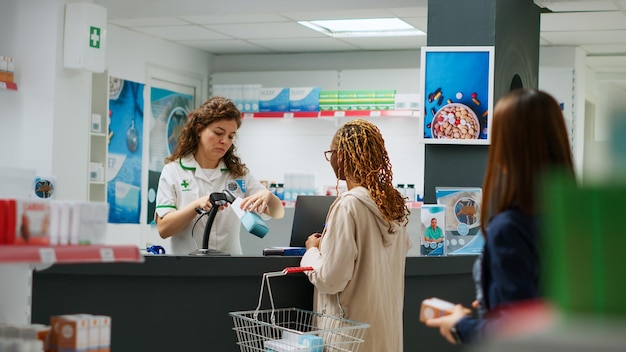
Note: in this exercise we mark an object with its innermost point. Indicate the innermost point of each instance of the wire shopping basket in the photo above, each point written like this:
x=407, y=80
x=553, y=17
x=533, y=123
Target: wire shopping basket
x=293, y=329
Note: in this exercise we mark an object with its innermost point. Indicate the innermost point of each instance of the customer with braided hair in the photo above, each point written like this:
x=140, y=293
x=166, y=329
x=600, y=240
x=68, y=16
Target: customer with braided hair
x=359, y=258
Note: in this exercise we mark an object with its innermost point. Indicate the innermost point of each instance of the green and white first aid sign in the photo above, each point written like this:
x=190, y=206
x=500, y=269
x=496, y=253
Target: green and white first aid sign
x=94, y=37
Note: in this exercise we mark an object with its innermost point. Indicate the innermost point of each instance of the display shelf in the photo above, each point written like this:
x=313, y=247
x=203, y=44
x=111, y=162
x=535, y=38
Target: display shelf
x=98, y=138
x=10, y=254
x=331, y=114
x=17, y=263
x=8, y=85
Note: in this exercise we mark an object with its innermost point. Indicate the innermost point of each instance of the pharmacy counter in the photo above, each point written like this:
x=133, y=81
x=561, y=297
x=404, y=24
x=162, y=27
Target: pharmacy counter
x=181, y=303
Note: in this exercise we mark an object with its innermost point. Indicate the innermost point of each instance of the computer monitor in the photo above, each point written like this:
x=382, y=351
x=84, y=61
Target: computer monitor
x=309, y=217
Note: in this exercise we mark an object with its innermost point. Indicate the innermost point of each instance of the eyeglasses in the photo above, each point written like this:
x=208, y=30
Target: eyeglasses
x=328, y=154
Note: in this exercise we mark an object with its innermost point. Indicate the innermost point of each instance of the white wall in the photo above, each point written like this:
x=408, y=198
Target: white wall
x=562, y=73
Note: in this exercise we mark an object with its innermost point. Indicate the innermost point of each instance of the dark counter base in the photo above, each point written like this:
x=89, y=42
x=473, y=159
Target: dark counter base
x=171, y=303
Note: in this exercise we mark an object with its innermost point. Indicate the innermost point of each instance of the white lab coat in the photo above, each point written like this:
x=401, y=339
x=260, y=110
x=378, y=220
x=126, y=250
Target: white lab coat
x=182, y=182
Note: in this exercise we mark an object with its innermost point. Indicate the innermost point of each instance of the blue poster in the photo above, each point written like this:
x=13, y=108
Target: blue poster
x=125, y=150
x=458, y=90
x=169, y=116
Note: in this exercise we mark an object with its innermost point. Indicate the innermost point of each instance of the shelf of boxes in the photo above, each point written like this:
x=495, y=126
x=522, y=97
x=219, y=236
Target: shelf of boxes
x=8, y=85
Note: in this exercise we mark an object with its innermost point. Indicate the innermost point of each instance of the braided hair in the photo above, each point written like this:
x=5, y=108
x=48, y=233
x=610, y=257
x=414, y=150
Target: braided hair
x=362, y=158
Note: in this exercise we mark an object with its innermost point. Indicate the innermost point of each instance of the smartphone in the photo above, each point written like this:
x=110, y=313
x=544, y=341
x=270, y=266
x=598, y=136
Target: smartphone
x=434, y=308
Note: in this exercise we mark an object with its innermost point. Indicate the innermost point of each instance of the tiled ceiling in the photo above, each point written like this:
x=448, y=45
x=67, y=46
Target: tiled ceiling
x=269, y=26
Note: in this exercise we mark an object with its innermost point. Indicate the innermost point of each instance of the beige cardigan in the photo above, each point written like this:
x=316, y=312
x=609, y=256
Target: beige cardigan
x=365, y=264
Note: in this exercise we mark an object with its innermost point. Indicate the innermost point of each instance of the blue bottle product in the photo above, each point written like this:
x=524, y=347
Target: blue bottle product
x=280, y=191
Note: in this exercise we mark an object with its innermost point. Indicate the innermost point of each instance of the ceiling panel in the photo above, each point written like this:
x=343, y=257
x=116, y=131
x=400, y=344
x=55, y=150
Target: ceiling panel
x=148, y=21
x=579, y=38
x=582, y=21
x=305, y=45
x=244, y=18
x=180, y=32
x=578, y=5
x=605, y=49
x=226, y=46
x=265, y=30
x=607, y=63
x=390, y=43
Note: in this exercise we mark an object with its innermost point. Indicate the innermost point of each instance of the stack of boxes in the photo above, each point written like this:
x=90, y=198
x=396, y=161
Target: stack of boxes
x=79, y=332
x=30, y=221
x=7, y=68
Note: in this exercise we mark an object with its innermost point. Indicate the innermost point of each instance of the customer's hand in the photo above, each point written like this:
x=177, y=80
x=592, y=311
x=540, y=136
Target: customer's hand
x=446, y=322
x=313, y=240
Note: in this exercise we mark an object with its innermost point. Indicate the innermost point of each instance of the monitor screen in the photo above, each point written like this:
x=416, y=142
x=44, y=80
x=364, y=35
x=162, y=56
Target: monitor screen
x=309, y=217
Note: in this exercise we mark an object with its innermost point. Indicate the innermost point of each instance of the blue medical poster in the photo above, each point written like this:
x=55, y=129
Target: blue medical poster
x=125, y=150
x=169, y=115
x=457, y=86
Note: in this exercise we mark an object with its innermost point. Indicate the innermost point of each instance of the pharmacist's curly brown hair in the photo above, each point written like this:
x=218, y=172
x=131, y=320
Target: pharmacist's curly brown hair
x=214, y=109
x=362, y=158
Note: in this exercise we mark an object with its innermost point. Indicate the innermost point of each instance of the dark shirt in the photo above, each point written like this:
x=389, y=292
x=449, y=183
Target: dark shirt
x=509, y=270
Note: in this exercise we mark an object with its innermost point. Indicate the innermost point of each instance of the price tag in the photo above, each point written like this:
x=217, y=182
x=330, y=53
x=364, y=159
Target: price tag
x=340, y=113
x=47, y=256
x=375, y=113
x=288, y=115
x=248, y=115
x=107, y=254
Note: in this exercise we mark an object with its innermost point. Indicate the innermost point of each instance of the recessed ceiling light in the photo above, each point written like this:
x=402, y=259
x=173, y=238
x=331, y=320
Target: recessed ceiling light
x=369, y=27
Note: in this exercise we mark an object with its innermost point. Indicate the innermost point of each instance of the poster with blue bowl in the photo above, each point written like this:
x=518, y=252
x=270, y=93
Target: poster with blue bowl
x=457, y=86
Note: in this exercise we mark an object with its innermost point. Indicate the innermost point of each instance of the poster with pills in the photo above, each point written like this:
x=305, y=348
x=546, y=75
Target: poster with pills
x=457, y=86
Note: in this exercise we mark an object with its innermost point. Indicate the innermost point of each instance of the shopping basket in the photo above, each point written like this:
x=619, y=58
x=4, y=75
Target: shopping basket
x=293, y=329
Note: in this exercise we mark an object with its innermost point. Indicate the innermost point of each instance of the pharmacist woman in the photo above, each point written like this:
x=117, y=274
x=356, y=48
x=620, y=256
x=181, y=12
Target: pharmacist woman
x=204, y=162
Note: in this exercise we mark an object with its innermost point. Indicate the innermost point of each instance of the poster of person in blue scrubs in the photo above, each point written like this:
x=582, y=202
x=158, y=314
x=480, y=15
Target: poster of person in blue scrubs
x=124, y=163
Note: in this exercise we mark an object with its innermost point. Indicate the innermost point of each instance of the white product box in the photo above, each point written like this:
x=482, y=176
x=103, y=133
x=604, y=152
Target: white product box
x=96, y=123
x=89, y=222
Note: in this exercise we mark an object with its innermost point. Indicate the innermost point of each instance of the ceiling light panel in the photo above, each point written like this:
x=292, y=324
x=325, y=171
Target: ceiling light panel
x=363, y=25
x=338, y=14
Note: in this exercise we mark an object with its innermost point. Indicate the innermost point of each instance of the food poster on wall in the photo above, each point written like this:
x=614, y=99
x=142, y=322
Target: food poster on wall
x=458, y=94
x=125, y=150
x=169, y=115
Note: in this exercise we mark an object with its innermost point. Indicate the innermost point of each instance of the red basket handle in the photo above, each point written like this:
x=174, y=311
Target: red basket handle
x=297, y=269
